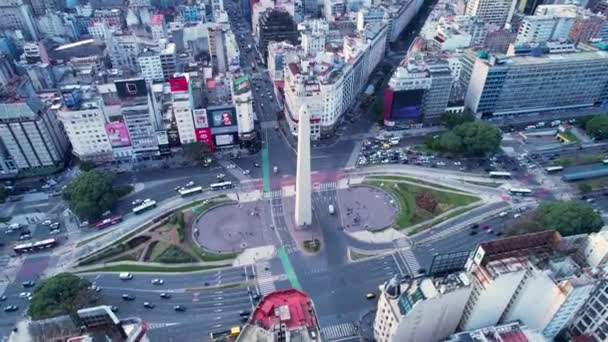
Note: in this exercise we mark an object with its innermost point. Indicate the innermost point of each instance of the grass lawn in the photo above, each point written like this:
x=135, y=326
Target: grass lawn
x=174, y=255
x=454, y=213
x=159, y=248
x=598, y=183
x=85, y=241
x=580, y=159
x=570, y=136
x=208, y=256
x=414, y=180
x=410, y=214
x=150, y=268
x=127, y=257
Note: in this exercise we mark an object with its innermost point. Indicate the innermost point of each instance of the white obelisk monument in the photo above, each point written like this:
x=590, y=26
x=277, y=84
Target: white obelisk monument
x=303, y=210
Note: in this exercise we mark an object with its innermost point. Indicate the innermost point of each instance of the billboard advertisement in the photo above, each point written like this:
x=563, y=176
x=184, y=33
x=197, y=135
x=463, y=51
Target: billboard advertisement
x=118, y=134
x=225, y=139
x=200, y=118
x=241, y=83
x=407, y=104
x=204, y=135
x=131, y=88
x=173, y=136
x=178, y=83
x=222, y=117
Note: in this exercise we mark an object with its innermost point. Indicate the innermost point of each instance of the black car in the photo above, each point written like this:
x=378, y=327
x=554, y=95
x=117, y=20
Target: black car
x=473, y=232
x=29, y=283
x=165, y=295
x=475, y=226
x=149, y=305
x=127, y=296
x=179, y=308
x=244, y=313
x=10, y=308
x=114, y=308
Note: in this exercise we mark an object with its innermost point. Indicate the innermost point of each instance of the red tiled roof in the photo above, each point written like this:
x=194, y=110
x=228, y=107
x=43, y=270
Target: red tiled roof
x=300, y=309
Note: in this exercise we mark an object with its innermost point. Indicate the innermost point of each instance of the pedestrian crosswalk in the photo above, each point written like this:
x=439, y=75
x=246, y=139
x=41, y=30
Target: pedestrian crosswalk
x=264, y=277
x=339, y=331
x=329, y=186
x=160, y=325
x=272, y=194
x=410, y=260
x=402, y=243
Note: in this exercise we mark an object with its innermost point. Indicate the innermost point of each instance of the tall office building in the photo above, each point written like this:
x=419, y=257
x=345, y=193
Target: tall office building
x=498, y=12
x=422, y=309
x=16, y=15
x=275, y=25
x=549, y=23
x=31, y=134
x=506, y=85
x=587, y=26
x=418, y=91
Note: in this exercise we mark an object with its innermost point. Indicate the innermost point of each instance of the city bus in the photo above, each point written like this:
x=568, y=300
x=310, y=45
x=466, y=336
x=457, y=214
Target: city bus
x=148, y=204
x=554, y=169
x=520, y=192
x=221, y=185
x=500, y=174
x=36, y=246
x=191, y=191
x=605, y=161
x=108, y=222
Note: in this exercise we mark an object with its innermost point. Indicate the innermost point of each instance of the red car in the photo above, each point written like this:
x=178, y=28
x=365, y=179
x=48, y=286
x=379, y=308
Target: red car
x=485, y=226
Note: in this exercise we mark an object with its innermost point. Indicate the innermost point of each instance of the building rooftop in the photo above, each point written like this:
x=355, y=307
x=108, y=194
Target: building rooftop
x=512, y=332
x=289, y=312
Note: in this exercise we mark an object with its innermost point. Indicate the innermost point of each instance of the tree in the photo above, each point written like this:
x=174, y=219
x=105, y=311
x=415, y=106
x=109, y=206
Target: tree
x=570, y=217
x=451, y=120
x=197, y=150
x=585, y=187
x=426, y=201
x=3, y=193
x=91, y=194
x=597, y=127
x=471, y=138
x=62, y=294
x=86, y=165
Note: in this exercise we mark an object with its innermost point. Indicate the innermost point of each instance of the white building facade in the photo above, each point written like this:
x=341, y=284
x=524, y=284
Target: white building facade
x=85, y=127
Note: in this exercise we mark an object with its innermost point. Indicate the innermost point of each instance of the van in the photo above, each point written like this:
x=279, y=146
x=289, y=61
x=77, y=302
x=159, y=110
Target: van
x=126, y=276
x=331, y=209
x=540, y=124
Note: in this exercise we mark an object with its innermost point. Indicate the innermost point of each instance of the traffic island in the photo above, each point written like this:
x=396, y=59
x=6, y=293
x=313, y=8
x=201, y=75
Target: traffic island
x=422, y=204
x=233, y=227
x=366, y=208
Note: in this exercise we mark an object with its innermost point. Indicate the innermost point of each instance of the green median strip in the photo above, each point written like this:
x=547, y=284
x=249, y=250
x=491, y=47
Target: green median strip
x=151, y=268
x=291, y=274
x=265, y=168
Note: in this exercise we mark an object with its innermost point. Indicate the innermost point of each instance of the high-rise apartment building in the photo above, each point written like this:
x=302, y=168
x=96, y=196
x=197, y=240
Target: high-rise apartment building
x=498, y=12
x=586, y=26
x=505, y=85
x=31, y=134
x=592, y=320
x=531, y=279
x=549, y=23
x=422, y=309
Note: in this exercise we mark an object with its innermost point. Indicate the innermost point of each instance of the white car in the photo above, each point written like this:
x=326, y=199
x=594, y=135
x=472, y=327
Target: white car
x=55, y=231
x=25, y=295
x=440, y=163
x=503, y=214
x=189, y=184
x=46, y=222
x=457, y=163
x=157, y=281
x=246, y=172
x=516, y=215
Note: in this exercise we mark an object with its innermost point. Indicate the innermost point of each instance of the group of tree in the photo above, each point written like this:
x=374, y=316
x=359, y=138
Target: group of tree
x=475, y=138
x=92, y=193
x=62, y=294
x=566, y=217
x=597, y=126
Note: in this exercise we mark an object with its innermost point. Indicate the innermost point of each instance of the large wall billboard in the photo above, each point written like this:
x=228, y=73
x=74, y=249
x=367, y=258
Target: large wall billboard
x=225, y=139
x=118, y=134
x=131, y=88
x=178, y=83
x=222, y=117
x=200, y=118
x=407, y=104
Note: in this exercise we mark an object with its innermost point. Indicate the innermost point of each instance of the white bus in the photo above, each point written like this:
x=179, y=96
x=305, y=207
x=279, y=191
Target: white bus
x=605, y=161
x=191, y=191
x=554, y=169
x=148, y=204
x=221, y=185
x=500, y=174
x=31, y=247
x=520, y=192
